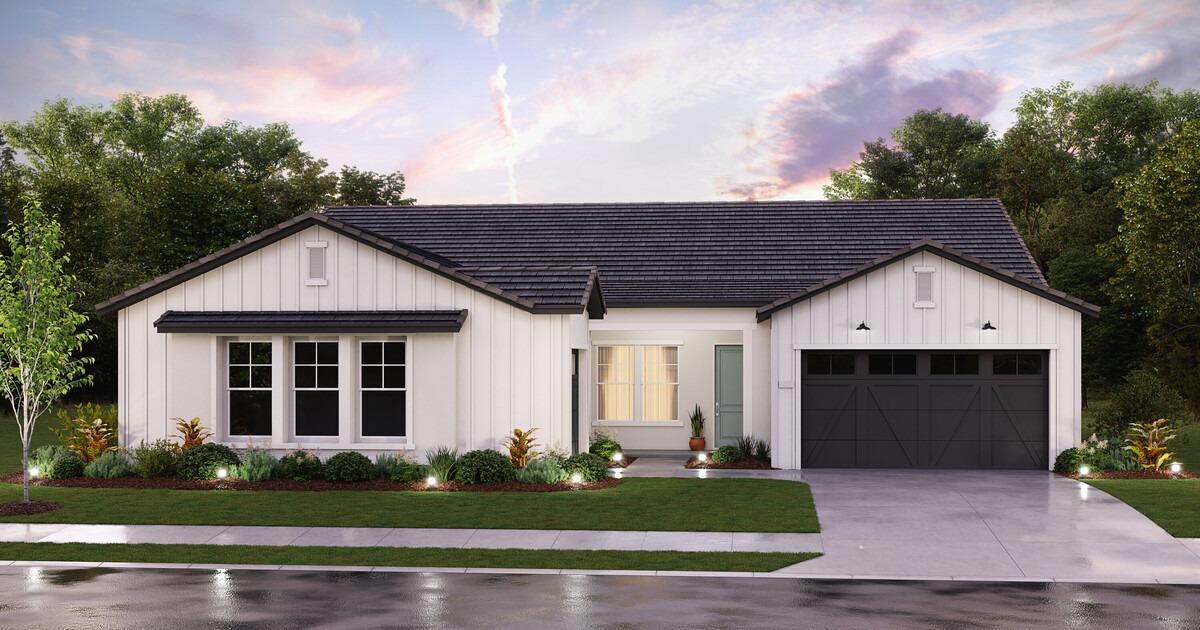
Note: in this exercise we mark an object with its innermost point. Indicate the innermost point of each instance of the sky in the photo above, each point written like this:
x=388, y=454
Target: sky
x=488, y=101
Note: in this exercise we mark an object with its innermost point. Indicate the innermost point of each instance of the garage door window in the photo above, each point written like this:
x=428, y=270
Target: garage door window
x=1017, y=363
x=825, y=363
x=942, y=364
x=883, y=364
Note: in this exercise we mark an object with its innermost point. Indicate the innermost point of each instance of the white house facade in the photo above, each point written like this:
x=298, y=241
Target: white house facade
x=882, y=334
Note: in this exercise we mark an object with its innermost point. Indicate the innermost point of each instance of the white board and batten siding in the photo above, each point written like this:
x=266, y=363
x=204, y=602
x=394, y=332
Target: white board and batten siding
x=964, y=299
x=506, y=368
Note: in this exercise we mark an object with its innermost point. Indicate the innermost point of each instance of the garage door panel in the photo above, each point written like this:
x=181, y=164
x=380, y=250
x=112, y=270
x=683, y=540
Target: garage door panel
x=829, y=396
x=892, y=396
x=829, y=425
x=954, y=424
x=953, y=395
x=895, y=424
x=886, y=454
x=828, y=453
x=1009, y=454
x=1017, y=425
x=963, y=454
x=1020, y=397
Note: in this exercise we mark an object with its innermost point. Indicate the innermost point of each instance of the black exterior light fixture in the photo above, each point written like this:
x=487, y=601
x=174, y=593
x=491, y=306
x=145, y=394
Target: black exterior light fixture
x=988, y=325
x=863, y=326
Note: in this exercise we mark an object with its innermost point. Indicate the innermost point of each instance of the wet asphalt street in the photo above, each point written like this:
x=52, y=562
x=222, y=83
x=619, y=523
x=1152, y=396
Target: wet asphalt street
x=175, y=599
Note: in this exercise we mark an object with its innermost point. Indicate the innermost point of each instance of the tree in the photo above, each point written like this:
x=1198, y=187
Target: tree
x=41, y=334
x=366, y=188
x=936, y=155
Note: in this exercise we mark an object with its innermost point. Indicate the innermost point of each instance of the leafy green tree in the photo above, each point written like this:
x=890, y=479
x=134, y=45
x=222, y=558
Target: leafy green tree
x=41, y=334
x=366, y=188
x=935, y=155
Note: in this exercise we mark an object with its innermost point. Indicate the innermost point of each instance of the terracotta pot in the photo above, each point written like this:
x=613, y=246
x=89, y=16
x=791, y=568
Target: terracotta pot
x=696, y=443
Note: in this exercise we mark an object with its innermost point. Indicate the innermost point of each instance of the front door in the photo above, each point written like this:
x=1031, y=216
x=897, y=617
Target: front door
x=728, y=403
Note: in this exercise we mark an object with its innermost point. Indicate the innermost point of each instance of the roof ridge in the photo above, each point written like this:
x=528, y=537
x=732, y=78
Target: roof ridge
x=681, y=204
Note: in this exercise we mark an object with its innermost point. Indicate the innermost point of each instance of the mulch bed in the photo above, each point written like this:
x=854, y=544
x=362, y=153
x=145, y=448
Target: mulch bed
x=171, y=483
x=745, y=464
x=1132, y=474
x=18, y=508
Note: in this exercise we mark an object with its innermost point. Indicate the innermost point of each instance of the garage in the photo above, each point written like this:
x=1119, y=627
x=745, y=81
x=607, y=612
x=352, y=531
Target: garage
x=925, y=409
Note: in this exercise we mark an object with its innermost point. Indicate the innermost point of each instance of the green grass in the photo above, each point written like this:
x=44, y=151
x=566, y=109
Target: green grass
x=10, y=439
x=1173, y=504
x=1187, y=447
x=726, y=505
x=406, y=557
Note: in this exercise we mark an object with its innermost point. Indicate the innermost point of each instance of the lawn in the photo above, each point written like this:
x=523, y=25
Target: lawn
x=10, y=438
x=727, y=505
x=406, y=557
x=1173, y=504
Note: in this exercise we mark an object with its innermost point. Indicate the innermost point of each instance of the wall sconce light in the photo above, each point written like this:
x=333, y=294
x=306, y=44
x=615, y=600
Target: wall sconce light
x=988, y=325
x=863, y=326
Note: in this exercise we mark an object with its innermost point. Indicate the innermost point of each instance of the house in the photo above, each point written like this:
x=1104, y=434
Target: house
x=915, y=333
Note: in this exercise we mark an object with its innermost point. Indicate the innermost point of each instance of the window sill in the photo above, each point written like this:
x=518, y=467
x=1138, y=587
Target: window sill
x=312, y=445
x=640, y=423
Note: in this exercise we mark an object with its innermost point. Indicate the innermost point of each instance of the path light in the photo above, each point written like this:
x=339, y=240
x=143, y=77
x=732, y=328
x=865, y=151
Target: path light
x=618, y=457
x=431, y=481
x=702, y=473
x=1084, y=470
x=701, y=456
x=1176, y=468
x=222, y=473
x=35, y=472
x=576, y=478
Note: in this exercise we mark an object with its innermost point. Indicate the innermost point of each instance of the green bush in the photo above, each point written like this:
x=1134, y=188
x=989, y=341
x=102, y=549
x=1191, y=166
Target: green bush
x=203, y=460
x=386, y=465
x=301, y=466
x=349, y=466
x=1067, y=461
x=1095, y=453
x=408, y=472
x=257, y=465
x=542, y=470
x=762, y=450
x=156, y=459
x=56, y=462
x=590, y=466
x=442, y=463
x=603, y=445
x=110, y=465
x=484, y=466
x=728, y=453
x=1143, y=397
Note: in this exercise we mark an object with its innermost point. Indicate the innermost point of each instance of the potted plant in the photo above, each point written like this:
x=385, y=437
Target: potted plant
x=696, y=443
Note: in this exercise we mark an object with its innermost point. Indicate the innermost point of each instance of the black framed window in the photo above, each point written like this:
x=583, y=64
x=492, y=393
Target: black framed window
x=826, y=363
x=1017, y=363
x=892, y=364
x=315, y=381
x=249, y=385
x=950, y=363
x=384, y=386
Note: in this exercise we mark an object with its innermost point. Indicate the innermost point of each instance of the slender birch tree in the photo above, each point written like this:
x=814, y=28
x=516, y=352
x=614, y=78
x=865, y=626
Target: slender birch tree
x=41, y=334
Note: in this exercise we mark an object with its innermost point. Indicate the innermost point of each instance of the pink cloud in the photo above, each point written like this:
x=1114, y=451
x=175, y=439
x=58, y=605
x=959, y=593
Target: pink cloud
x=481, y=15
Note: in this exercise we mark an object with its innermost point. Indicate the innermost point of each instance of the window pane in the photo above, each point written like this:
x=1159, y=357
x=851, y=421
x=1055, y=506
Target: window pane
x=941, y=364
x=306, y=376
x=660, y=402
x=393, y=352
x=818, y=364
x=327, y=376
x=880, y=364
x=966, y=364
x=393, y=376
x=316, y=413
x=615, y=402
x=260, y=353
x=239, y=376
x=327, y=352
x=842, y=364
x=306, y=352
x=660, y=364
x=260, y=376
x=1004, y=364
x=615, y=364
x=383, y=414
x=239, y=352
x=250, y=413
x=904, y=364
x=372, y=377
x=372, y=353
x=1028, y=363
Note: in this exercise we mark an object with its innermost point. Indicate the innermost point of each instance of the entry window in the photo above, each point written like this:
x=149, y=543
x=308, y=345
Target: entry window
x=249, y=374
x=316, y=388
x=881, y=364
x=614, y=382
x=660, y=383
x=1017, y=363
x=824, y=363
x=384, y=386
x=949, y=364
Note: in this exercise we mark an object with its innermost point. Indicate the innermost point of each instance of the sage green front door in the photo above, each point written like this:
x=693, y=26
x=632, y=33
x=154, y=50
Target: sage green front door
x=728, y=404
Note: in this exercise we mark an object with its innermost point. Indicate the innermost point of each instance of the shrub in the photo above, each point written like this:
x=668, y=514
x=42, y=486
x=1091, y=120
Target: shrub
x=697, y=421
x=484, y=466
x=604, y=445
x=110, y=465
x=762, y=450
x=88, y=429
x=590, y=466
x=1142, y=397
x=1147, y=441
x=408, y=472
x=257, y=465
x=301, y=466
x=56, y=462
x=542, y=470
x=726, y=454
x=442, y=463
x=387, y=464
x=745, y=446
x=349, y=466
x=1067, y=461
x=156, y=459
x=202, y=461
x=191, y=433
x=520, y=447
x=1097, y=454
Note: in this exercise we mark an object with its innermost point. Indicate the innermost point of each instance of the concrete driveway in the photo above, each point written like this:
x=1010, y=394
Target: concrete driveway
x=993, y=524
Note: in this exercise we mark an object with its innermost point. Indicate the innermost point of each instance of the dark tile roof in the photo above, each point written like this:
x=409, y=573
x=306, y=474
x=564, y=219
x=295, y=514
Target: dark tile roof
x=547, y=286
x=310, y=321
x=705, y=253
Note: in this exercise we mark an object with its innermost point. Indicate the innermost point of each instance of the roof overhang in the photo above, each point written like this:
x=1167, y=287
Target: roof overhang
x=300, y=322
x=942, y=250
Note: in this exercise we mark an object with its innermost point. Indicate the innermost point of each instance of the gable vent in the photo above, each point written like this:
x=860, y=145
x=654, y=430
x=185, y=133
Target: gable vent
x=316, y=263
x=924, y=293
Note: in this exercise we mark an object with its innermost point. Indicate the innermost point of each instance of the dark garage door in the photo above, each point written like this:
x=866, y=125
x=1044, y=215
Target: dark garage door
x=924, y=410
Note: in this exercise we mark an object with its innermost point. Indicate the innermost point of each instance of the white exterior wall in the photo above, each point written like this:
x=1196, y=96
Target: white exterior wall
x=506, y=368
x=964, y=300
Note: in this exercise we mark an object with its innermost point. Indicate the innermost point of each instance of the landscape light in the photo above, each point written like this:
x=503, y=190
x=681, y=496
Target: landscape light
x=702, y=473
x=1176, y=468
x=34, y=471
x=1084, y=470
x=702, y=456
x=576, y=478
x=222, y=473
x=618, y=456
x=431, y=481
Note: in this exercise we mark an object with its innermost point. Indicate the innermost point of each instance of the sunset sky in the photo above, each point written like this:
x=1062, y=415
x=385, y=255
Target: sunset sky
x=615, y=100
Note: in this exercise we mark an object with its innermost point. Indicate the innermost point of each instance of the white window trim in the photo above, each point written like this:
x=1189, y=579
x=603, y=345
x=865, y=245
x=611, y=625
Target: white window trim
x=308, y=279
x=917, y=271
x=637, y=383
x=292, y=385
x=228, y=434
x=407, y=439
